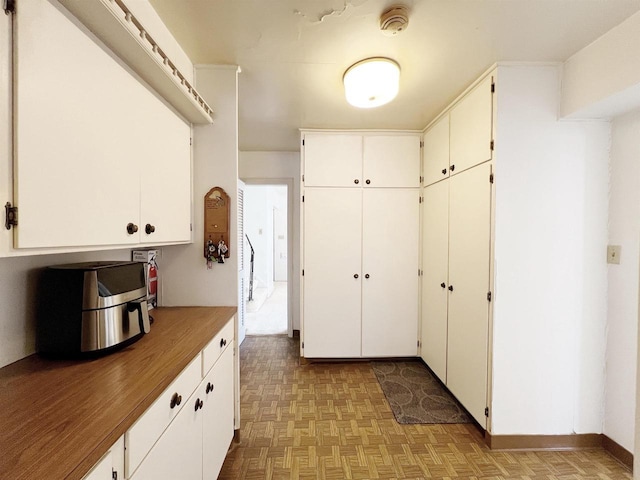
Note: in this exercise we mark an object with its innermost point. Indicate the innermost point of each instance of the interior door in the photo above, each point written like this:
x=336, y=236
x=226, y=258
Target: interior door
x=469, y=254
x=471, y=128
x=390, y=248
x=332, y=272
x=332, y=160
x=436, y=151
x=435, y=280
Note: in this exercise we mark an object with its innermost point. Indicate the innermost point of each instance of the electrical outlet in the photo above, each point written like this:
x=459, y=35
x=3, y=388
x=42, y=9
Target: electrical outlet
x=613, y=254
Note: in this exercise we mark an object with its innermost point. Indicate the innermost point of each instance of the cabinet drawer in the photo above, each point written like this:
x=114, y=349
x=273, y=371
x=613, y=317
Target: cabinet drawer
x=214, y=349
x=145, y=432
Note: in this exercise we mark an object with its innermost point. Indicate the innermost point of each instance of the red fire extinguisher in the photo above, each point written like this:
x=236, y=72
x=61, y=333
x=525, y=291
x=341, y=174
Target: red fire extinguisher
x=153, y=277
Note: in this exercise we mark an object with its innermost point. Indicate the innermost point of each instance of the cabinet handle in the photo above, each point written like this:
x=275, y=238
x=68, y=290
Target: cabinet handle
x=444, y=171
x=209, y=388
x=132, y=228
x=452, y=168
x=149, y=229
x=175, y=400
x=356, y=181
x=366, y=275
x=199, y=404
x=368, y=182
x=451, y=288
x=355, y=275
x=223, y=342
x=443, y=285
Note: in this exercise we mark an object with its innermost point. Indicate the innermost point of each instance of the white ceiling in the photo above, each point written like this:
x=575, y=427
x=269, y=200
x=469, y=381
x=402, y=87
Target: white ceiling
x=293, y=53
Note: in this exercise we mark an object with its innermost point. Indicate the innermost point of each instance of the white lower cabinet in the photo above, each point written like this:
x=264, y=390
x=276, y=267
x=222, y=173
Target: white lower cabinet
x=360, y=283
x=455, y=289
x=111, y=465
x=193, y=443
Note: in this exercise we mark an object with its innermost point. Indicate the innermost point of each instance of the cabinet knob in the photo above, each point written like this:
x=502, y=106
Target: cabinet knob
x=223, y=342
x=443, y=285
x=199, y=404
x=175, y=400
x=355, y=275
x=451, y=288
x=356, y=181
x=209, y=388
x=366, y=275
x=149, y=229
x=132, y=228
x=368, y=182
x=452, y=168
x=444, y=171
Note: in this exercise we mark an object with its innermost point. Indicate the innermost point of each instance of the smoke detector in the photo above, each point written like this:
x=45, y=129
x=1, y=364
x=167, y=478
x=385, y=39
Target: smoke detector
x=394, y=20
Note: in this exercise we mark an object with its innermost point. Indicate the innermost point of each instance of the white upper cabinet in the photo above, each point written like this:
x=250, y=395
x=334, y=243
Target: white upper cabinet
x=391, y=161
x=332, y=160
x=436, y=151
x=95, y=150
x=369, y=160
x=471, y=128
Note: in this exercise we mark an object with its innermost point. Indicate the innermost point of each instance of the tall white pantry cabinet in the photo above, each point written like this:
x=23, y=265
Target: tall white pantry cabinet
x=360, y=250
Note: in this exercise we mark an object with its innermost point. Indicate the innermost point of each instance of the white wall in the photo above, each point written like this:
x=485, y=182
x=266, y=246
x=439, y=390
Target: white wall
x=550, y=271
x=622, y=329
x=262, y=166
x=18, y=296
x=186, y=279
x=603, y=79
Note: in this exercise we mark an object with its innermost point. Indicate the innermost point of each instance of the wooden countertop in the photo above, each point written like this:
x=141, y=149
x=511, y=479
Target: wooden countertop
x=58, y=418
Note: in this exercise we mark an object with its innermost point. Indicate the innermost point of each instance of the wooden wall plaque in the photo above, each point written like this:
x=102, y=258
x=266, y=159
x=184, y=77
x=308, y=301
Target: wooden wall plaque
x=217, y=211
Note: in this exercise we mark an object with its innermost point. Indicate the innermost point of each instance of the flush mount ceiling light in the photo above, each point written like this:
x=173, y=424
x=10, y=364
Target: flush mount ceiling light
x=371, y=82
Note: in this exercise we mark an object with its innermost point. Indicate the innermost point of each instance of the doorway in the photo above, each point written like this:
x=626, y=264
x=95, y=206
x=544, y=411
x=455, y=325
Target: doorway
x=266, y=212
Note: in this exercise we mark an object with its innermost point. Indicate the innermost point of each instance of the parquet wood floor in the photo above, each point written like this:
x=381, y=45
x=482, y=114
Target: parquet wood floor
x=326, y=421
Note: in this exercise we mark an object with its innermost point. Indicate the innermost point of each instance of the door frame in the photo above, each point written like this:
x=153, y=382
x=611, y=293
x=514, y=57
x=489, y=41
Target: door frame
x=278, y=182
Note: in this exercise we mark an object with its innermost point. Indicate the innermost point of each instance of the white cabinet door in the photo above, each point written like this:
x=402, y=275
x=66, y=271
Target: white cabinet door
x=390, y=246
x=469, y=253
x=391, y=161
x=165, y=186
x=332, y=160
x=435, y=280
x=178, y=452
x=436, y=151
x=217, y=414
x=471, y=121
x=103, y=470
x=332, y=272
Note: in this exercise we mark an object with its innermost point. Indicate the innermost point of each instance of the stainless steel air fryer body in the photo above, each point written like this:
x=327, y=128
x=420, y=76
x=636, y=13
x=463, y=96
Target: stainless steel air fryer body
x=90, y=308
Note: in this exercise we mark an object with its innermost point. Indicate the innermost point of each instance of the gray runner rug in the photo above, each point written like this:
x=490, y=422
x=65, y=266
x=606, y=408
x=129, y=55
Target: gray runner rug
x=416, y=395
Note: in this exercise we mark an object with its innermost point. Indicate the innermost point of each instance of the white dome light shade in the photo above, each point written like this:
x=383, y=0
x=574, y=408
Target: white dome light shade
x=371, y=82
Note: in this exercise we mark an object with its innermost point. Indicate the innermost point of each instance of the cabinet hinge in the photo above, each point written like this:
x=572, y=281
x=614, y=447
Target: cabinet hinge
x=421, y=178
x=302, y=344
x=11, y=216
x=486, y=411
x=303, y=272
x=491, y=145
x=303, y=177
x=489, y=296
x=491, y=178
x=302, y=198
x=9, y=7
x=303, y=142
x=493, y=86
x=420, y=199
x=114, y=474
x=420, y=272
x=421, y=144
x=418, y=343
